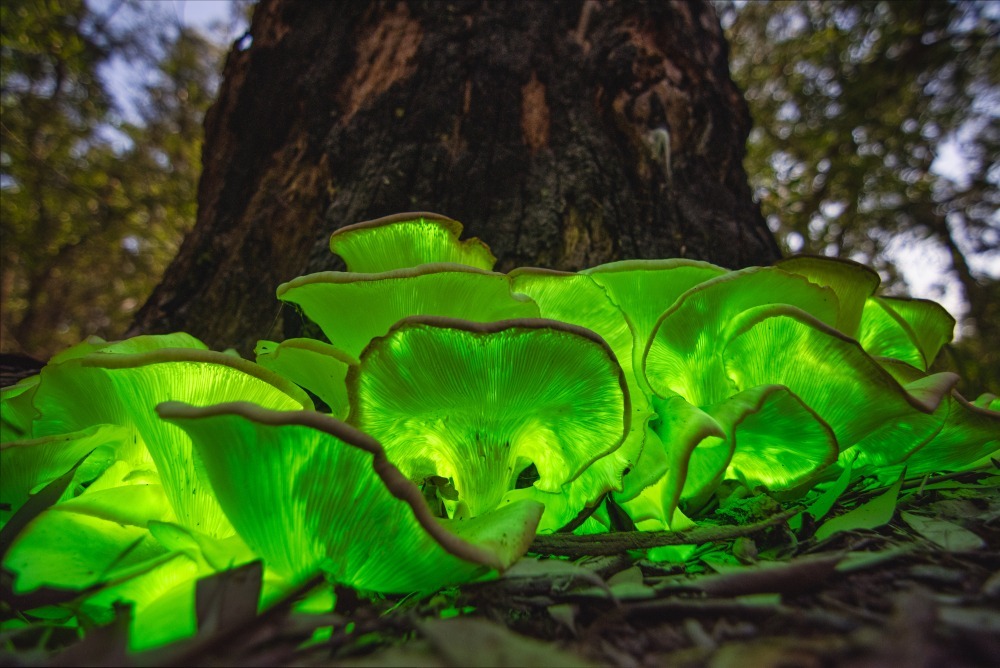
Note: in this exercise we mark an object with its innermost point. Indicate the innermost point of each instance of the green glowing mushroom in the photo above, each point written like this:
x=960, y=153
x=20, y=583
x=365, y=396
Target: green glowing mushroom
x=682, y=429
x=118, y=545
x=28, y=465
x=577, y=299
x=764, y=436
x=16, y=409
x=407, y=240
x=851, y=282
x=16, y=412
x=910, y=330
x=829, y=371
x=123, y=389
x=683, y=364
x=477, y=403
x=352, y=309
x=310, y=493
x=644, y=289
x=957, y=436
x=684, y=353
x=91, y=539
x=621, y=301
x=313, y=365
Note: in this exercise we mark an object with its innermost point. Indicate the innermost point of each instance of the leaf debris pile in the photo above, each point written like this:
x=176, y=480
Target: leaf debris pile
x=921, y=589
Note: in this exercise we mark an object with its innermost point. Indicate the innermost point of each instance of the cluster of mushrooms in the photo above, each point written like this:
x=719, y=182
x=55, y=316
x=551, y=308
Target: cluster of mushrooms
x=455, y=413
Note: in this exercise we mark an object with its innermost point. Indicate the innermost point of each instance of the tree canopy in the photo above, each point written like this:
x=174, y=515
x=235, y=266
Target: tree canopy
x=95, y=197
x=856, y=105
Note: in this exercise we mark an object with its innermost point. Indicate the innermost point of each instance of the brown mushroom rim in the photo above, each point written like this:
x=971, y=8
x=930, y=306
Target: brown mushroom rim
x=394, y=480
x=165, y=355
x=499, y=326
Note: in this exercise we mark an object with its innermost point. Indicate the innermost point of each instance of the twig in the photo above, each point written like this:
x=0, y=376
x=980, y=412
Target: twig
x=569, y=545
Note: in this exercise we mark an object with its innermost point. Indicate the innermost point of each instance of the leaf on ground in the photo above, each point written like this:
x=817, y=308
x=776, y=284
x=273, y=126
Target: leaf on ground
x=857, y=561
x=983, y=620
x=552, y=569
x=875, y=513
x=626, y=585
x=822, y=505
x=228, y=599
x=947, y=534
x=416, y=654
x=565, y=614
x=769, y=577
x=467, y=641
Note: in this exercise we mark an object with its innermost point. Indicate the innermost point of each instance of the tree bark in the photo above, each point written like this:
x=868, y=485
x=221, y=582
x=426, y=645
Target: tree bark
x=564, y=134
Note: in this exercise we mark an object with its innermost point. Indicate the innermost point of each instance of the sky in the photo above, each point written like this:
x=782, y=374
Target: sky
x=924, y=265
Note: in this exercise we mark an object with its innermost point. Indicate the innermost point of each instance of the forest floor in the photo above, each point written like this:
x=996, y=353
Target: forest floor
x=919, y=587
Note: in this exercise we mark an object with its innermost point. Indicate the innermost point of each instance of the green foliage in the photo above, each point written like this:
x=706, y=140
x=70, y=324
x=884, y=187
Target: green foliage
x=93, y=205
x=132, y=471
x=853, y=103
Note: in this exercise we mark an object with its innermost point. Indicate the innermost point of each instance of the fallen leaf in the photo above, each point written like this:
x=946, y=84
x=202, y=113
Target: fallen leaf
x=947, y=534
x=467, y=641
x=822, y=505
x=875, y=513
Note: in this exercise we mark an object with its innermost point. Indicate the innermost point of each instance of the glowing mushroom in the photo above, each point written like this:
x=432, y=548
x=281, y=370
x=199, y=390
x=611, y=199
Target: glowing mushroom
x=477, y=403
x=352, y=309
x=909, y=330
x=408, y=240
x=310, y=493
x=123, y=390
x=310, y=364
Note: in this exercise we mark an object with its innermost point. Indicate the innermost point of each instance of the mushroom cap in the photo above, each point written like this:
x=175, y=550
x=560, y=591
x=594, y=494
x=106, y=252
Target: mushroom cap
x=479, y=402
x=308, y=492
x=124, y=389
x=90, y=539
x=852, y=282
x=829, y=371
x=408, y=240
x=968, y=438
x=16, y=411
x=778, y=441
x=29, y=464
x=909, y=330
x=644, y=289
x=311, y=364
x=577, y=299
x=684, y=354
x=374, y=302
x=957, y=436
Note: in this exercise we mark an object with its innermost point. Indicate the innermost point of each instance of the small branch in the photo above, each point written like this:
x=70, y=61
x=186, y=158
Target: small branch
x=569, y=545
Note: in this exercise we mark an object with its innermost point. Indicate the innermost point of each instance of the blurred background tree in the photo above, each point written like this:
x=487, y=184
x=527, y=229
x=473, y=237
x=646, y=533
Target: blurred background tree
x=877, y=132
x=95, y=196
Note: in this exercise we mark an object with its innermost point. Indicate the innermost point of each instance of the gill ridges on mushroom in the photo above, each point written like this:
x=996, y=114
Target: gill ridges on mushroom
x=478, y=403
x=654, y=384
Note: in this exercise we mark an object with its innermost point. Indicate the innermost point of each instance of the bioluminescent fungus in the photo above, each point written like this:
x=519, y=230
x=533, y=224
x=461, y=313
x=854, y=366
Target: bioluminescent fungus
x=123, y=389
x=469, y=411
x=309, y=493
x=478, y=403
x=316, y=366
x=407, y=240
x=909, y=330
x=378, y=301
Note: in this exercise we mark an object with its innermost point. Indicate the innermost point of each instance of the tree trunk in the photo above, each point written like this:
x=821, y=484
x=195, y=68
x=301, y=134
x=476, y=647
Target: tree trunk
x=564, y=134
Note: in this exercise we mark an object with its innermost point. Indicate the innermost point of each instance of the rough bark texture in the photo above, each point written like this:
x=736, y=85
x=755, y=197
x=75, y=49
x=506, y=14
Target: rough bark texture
x=576, y=133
